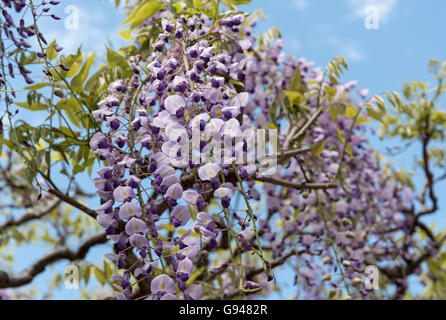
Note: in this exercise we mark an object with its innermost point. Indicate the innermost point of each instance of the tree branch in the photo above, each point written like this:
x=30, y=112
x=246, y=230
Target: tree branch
x=30, y=215
x=66, y=198
x=7, y=281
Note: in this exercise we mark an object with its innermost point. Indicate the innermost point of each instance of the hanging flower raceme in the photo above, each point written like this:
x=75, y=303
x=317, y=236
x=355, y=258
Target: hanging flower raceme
x=167, y=157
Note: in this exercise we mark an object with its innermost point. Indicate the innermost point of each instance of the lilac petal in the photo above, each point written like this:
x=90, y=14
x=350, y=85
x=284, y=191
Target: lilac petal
x=194, y=291
x=97, y=140
x=174, y=103
x=135, y=225
x=181, y=213
x=190, y=252
x=162, y=283
x=128, y=210
x=242, y=99
x=195, y=122
x=213, y=126
x=170, y=180
x=185, y=266
x=164, y=170
x=176, y=133
x=169, y=296
x=231, y=128
x=208, y=171
x=175, y=191
x=191, y=196
x=120, y=296
x=223, y=192
x=139, y=241
x=104, y=207
x=104, y=220
x=122, y=194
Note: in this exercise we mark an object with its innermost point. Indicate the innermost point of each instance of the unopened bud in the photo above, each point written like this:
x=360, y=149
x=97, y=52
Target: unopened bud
x=59, y=93
x=350, y=235
x=326, y=277
x=356, y=281
x=326, y=260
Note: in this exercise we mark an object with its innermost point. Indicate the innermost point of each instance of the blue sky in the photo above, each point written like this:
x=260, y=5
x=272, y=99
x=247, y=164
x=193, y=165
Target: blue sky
x=381, y=60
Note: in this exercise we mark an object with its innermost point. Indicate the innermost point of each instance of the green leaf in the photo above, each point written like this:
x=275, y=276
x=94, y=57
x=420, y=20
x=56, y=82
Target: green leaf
x=99, y=274
x=374, y=114
x=331, y=91
x=86, y=272
x=72, y=109
x=361, y=120
x=381, y=103
x=340, y=135
x=294, y=97
x=318, y=148
x=145, y=10
x=336, y=111
x=8, y=143
x=351, y=111
x=168, y=227
x=236, y=83
x=238, y=2
x=295, y=80
x=80, y=78
x=348, y=149
x=35, y=106
x=197, y=4
x=51, y=53
x=117, y=60
x=37, y=86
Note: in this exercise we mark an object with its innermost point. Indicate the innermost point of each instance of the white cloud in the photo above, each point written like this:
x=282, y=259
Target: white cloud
x=347, y=48
x=300, y=4
x=386, y=7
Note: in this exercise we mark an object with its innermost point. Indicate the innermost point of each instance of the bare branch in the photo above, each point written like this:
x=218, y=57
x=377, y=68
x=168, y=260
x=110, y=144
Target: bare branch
x=297, y=186
x=66, y=198
x=31, y=214
x=8, y=281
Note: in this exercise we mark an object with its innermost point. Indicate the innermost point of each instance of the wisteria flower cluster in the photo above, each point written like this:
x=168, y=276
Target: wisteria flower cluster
x=171, y=212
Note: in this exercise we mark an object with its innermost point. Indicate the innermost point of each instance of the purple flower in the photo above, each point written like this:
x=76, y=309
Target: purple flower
x=231, y=128
x=104, y=220
x=225, y=194
x=175, y=191
x=128, y=210
x=174, y=103
x=184, y=269
x=139, y=241
x=180, y=216
x=117, y=86
x=208, y=171
x=122, y=194
x=98, y=141
x=176, y=133
x=146, y=268
x=194, y=292
x=106, y=207
x=161, y=285
x=251, y=285
x=193, y=198
x=136, y=225
x=213, y=127
x=190, y=252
